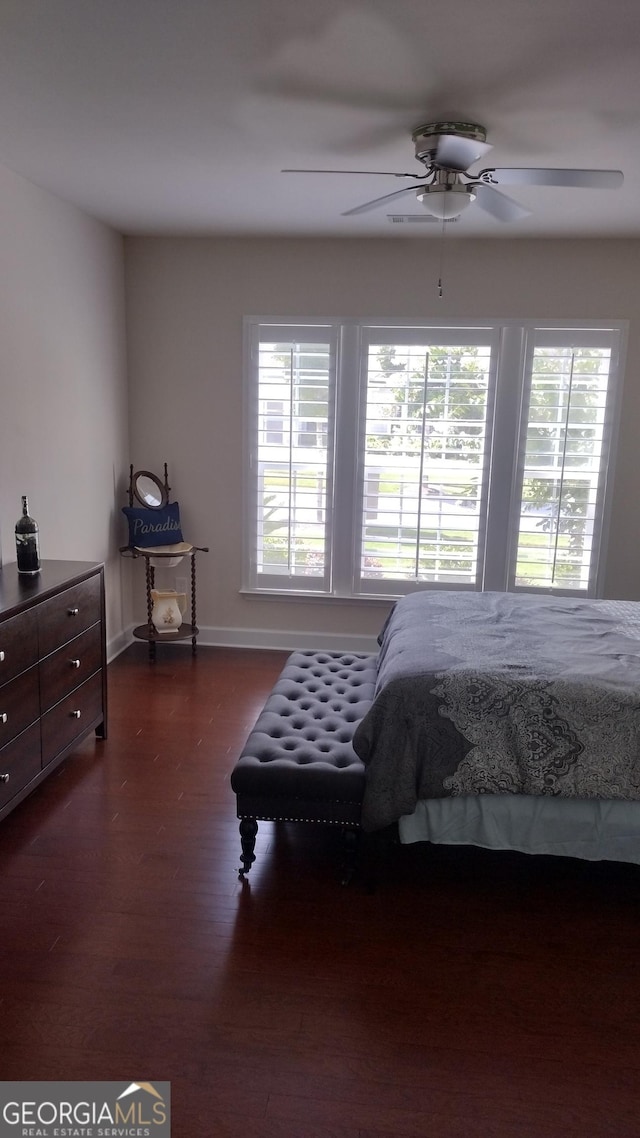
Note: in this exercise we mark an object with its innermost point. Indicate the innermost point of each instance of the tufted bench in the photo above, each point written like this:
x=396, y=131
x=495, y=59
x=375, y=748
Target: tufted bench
x=298, y=764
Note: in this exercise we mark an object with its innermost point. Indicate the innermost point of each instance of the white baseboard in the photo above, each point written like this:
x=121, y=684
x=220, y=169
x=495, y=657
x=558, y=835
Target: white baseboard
x=118, y=643
x=287, y=640
x=271, y=638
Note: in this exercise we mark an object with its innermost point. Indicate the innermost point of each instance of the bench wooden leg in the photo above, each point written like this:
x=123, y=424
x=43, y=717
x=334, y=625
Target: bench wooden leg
x=248, y=831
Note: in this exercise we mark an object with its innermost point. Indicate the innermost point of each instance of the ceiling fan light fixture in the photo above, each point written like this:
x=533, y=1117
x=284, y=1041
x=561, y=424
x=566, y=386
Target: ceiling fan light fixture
x=445, y=201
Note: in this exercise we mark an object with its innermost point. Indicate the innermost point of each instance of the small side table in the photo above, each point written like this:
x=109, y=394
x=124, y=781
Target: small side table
x=147, y=631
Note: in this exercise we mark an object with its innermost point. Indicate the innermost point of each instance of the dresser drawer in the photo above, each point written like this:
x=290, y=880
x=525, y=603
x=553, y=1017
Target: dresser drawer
x=19, y=763
x=19, y=704
x=18, y=644
x=65, y=616
x=70, y=666
x=68, y=720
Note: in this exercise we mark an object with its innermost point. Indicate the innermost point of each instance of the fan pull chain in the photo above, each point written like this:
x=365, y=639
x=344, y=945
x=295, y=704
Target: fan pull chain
x=441, y=268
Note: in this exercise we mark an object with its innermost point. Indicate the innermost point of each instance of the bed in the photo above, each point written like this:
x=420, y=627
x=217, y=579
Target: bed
x=507, y=720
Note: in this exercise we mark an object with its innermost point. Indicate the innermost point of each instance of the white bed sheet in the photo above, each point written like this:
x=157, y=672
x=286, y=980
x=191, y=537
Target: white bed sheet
x=590, y=829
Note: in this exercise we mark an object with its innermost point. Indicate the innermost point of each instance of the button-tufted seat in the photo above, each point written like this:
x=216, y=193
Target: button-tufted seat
x=298, y=763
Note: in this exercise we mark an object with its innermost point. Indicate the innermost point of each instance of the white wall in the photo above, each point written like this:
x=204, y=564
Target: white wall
x=63, y=412
x=185, y=303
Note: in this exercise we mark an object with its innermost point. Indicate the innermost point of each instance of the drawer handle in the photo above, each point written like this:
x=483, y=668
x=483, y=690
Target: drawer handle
x=4, y=777
x=1, y=657
x=76, y=714
x=73, y=612
x=74, y=663
x=3, y=717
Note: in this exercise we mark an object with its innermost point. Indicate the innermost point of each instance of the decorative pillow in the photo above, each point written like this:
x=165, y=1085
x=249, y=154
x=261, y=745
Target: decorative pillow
x=153, y=527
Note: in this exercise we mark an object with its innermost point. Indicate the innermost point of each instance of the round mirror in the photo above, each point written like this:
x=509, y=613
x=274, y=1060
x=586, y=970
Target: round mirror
x=149, y=490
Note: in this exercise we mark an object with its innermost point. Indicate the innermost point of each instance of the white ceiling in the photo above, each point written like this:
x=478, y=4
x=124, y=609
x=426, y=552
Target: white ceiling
x=177, y=116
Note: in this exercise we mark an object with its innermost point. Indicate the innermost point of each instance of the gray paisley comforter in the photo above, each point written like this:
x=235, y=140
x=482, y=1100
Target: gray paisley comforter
x=502, y=693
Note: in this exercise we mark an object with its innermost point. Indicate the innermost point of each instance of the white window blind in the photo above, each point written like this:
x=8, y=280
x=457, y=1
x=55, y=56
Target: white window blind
x=564, y=457
x=385, y=457
x=426, y=451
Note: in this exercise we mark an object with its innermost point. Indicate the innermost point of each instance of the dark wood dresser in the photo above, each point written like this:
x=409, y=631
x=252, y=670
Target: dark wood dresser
x=53, y=670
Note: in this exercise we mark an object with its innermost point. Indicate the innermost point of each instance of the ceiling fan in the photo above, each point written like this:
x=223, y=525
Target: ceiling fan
x=447, y=150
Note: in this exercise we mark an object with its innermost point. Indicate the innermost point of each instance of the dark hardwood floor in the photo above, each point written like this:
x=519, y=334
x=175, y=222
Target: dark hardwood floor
x=471, y=995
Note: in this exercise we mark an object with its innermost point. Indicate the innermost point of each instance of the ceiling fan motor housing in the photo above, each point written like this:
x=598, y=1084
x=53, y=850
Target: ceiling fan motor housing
x=425, y=138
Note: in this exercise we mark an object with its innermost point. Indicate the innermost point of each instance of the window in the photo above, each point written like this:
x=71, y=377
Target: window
x=425, y=456
x=292, y=396
x=564, y=461
x=384, y=458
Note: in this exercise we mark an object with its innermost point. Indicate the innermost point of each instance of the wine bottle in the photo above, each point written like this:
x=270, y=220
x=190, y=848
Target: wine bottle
x=27, y=542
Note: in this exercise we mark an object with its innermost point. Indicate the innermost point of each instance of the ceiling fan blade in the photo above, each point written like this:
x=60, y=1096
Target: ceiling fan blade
x=582, y=179
x=498, y=205
x=386, y=173
x=378, y=201
x=455, y=152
